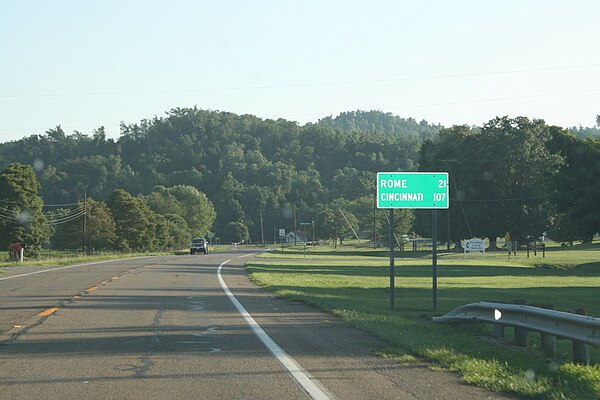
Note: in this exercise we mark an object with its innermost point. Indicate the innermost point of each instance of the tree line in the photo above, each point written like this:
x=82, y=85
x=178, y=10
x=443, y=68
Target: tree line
x=518, y=176
x=164, y=219
x=510, y=175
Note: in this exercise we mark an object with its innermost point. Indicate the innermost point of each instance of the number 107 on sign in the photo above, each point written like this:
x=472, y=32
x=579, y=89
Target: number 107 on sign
x=414, y=190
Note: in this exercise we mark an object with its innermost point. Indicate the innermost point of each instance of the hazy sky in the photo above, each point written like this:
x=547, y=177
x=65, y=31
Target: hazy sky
x=85, y=64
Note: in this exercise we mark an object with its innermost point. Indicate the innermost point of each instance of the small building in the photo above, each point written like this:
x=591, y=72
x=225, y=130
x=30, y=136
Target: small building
x=292, y=237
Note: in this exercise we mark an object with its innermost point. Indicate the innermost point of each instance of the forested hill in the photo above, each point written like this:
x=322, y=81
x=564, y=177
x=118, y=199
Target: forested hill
x=377, y=121
x=245, y=165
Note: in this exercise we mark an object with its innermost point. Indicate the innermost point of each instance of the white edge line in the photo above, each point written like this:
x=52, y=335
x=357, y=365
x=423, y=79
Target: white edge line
x=295, y=369
x=71, y=266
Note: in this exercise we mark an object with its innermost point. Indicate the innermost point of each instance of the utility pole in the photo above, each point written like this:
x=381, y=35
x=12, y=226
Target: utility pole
x=295, y=229
x=248, y=230
x=84, y=221
x=337, y=231
x=374, y=220
x=262, y=229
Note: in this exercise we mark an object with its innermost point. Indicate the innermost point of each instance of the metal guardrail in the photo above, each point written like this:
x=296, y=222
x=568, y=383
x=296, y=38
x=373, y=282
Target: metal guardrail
x=581, y=329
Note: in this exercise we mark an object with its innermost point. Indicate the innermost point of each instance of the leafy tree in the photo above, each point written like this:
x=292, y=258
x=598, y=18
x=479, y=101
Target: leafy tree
x=161, y=229
x=363, y=208
x=187, y=202
x=575, y=190
x=377, y=121
x=21, y=217
x=235, y=231
x=500, y=183
x=99, y=228
x=447, y=153
x=403, y=223
x=228, y=200
x=583, y=132
x=134, y=221
x=197, y=210
x=179, y=231
x=520, y=168
x=331, y=224
x=162, y=201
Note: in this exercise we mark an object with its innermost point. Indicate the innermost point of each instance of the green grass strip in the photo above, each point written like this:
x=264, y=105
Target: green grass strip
x=355, y=287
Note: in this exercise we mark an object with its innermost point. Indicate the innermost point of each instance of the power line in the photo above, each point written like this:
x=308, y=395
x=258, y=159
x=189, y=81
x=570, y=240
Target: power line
x=65, y=213
x=61, y=205
x=452, y=103
x=52, y=219
x=305, y=84
x=8, y=217
x=8, y=201
x=64, y=220
x=497, y=200
x=8, y=213
x=390, y=108
x=63, y=217
x=64, y=127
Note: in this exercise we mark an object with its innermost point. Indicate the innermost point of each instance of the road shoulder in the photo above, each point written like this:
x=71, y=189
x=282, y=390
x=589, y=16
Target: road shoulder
x=340, y=357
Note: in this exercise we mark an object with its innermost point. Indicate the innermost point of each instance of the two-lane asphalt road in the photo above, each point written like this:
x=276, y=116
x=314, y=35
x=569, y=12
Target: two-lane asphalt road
x=186, y=327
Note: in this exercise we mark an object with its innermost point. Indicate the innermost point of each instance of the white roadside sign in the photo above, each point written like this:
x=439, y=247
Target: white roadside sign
x=474, y=246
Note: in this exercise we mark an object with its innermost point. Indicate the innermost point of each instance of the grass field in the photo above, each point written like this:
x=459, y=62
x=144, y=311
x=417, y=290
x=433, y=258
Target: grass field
x=55, y=258
x=354, y=284
x=60, y=257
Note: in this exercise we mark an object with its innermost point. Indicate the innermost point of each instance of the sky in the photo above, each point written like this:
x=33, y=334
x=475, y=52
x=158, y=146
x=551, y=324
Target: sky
x=86, y=64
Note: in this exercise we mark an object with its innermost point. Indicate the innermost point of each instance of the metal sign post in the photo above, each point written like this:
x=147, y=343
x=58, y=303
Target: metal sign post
x=305, y=224
x=282, y=237
x=434, y=257
x=281, y=232
x=392, y=274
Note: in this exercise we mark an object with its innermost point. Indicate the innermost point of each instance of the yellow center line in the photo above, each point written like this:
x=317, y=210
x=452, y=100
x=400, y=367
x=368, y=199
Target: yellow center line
x=48, y=311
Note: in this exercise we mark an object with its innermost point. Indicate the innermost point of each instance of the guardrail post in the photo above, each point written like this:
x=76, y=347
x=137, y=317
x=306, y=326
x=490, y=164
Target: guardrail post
x=499, y=331
x=548, y=345
x=581, y=351
x=548, y=342
x=521, y=334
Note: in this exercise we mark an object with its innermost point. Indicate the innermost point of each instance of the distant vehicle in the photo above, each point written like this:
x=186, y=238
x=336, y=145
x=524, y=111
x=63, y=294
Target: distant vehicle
x=198, y=245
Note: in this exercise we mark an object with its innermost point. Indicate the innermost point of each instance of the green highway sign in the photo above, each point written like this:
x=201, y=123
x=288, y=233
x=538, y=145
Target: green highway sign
x=425, y=190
